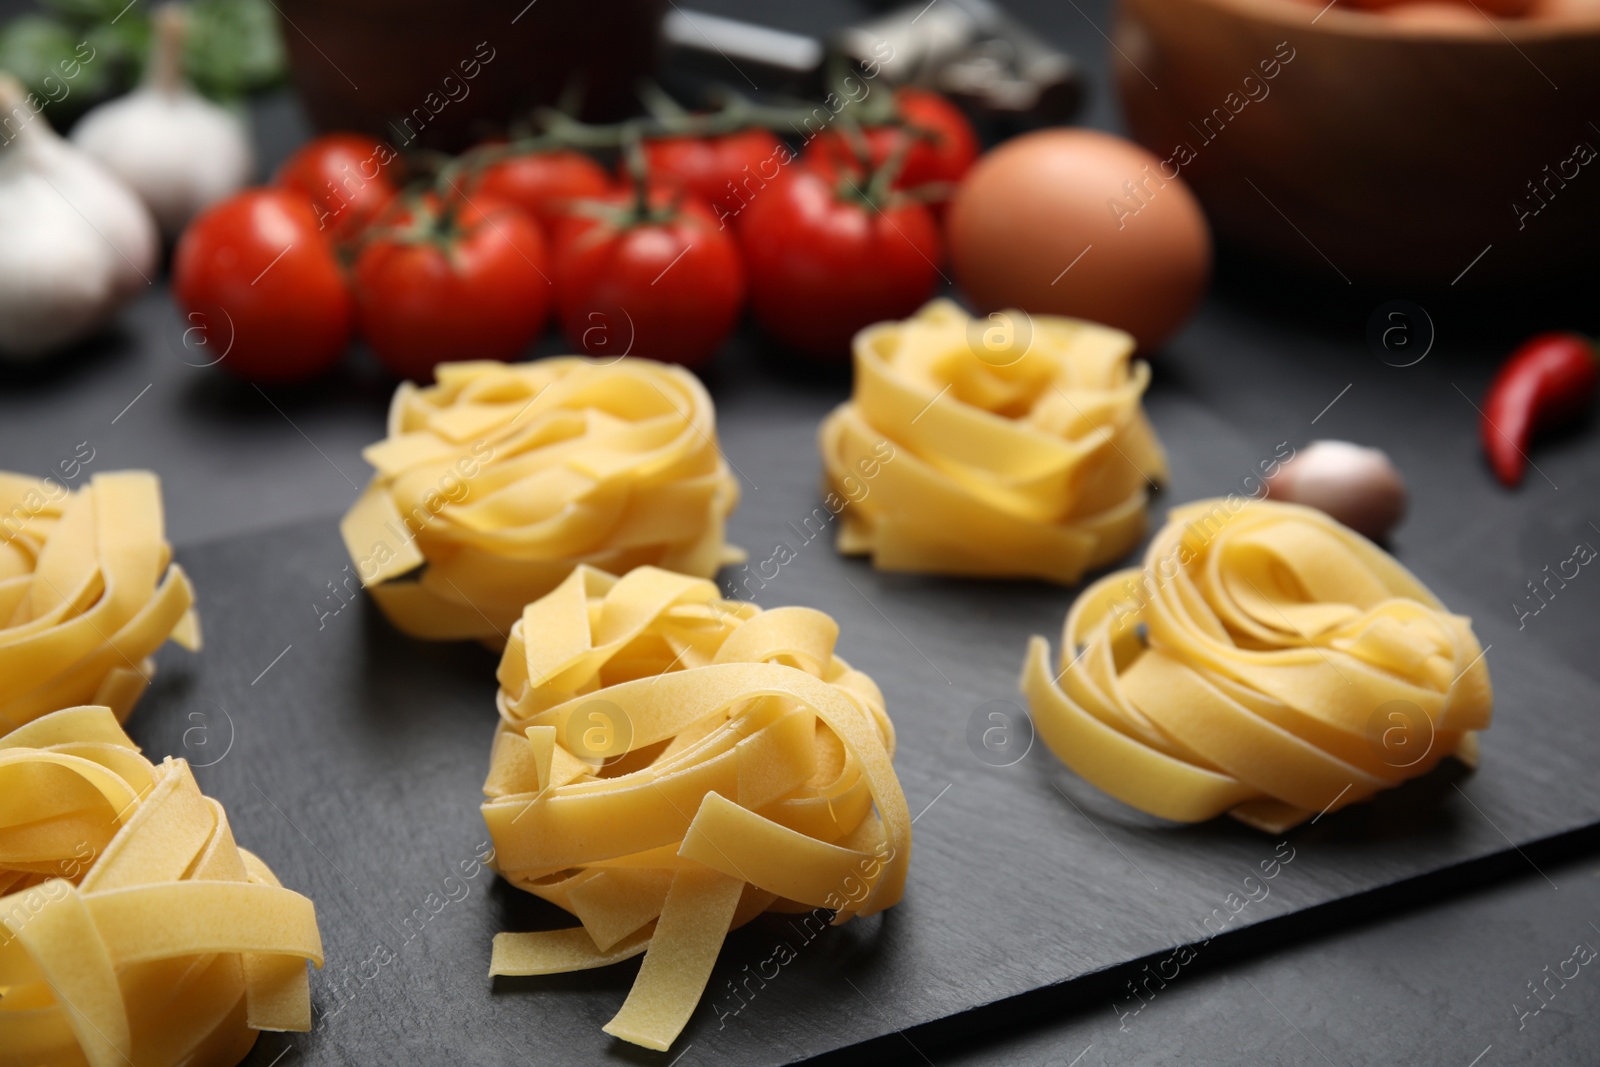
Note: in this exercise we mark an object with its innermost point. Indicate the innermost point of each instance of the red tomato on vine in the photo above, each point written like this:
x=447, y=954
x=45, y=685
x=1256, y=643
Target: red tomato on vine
x=829, y=252
x=261, y=288
x=936, y=141
x=451, y=281
x=724, y=171
x=648, y=276
x=545, y=183
x=349, y=178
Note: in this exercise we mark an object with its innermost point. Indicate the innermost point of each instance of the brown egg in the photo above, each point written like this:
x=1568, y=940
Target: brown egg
x=1078, y=222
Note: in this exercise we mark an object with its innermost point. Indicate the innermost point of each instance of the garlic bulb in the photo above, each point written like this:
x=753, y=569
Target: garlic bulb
x=75, y=243
x=176, y=149
x=1357, y=486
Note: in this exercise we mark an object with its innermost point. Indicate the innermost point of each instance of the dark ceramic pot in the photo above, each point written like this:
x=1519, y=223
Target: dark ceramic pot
x=419, y=73
x=1387, y=152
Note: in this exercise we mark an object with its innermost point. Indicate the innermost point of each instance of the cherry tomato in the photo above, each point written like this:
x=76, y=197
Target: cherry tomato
x=469, y=281
x=349, y=177
x=262, y=288
x=723, y=171
x=663, y=283
x=823, y=262
x=942, y=148
x=544, y=183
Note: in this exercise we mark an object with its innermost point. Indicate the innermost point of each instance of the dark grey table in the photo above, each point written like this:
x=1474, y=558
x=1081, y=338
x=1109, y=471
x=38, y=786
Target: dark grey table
x=1436, y=973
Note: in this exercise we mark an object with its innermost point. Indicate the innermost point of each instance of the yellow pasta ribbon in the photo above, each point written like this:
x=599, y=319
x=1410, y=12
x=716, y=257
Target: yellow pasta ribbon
x=1265, y=661
x=134, y=930
x=68, y=781
x=669, y=765
x=87, y=593
x=1013, y=447
x=498, y=480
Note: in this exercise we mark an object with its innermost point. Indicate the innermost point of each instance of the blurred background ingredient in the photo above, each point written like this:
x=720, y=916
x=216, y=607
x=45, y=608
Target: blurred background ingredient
x=349, y=178
x=75, y=243
x=446, y=79
x=179, y=151
x=830, y=181
x=1369, y=147
x=233, y=48
x=544, y=184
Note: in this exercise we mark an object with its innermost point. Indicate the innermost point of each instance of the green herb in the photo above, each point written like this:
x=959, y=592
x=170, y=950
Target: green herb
x=234, y=48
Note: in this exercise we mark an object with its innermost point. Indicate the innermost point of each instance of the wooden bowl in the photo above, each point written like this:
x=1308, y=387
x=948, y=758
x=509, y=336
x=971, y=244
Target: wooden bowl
x=1377, y=151
x=380, y=66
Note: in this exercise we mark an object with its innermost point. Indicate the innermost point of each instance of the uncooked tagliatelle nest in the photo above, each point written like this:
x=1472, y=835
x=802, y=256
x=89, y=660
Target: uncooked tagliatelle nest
x=668, y=766
x=1265, y=661
x=500, y=479
x=87, y=593
x=1016, y=446
x=134, y=930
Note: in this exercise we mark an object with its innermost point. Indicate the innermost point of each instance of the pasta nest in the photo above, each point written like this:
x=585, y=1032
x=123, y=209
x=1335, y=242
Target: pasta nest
x=1019, y=446
x=669, y=765
x=1265, y=661
x=498, y=480
x=87, y=593
x=135, y=931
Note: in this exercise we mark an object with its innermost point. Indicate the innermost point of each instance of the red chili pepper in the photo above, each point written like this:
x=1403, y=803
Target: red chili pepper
x=1548, y=380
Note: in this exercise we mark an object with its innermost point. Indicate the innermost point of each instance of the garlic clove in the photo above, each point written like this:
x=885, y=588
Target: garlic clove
x=75, y=243
x=1353, y=484
x=179, y=151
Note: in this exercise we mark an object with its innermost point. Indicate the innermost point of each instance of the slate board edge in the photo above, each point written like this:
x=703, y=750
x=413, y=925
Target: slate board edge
x=1254, y=938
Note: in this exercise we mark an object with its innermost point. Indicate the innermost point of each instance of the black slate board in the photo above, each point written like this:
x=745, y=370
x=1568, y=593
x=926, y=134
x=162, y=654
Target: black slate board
x=350, y=758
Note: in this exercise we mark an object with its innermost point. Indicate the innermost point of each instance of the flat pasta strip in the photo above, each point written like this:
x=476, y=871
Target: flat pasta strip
x=1010, y=447
x=133, y=930
x=669, y=765
x=498, y=480
x=68, y=782
x=87, y=593
x=1265, y=661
